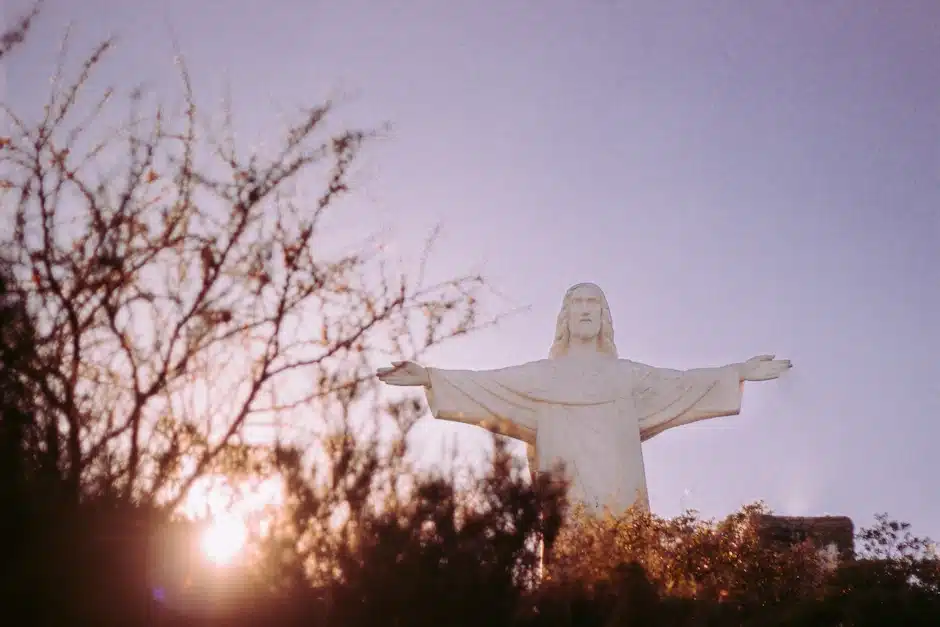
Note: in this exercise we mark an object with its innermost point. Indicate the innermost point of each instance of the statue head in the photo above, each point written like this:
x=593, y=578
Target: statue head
x=584, y=315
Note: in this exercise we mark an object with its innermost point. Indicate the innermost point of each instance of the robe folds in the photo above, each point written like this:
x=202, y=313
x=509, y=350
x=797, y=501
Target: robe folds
x=589, y=413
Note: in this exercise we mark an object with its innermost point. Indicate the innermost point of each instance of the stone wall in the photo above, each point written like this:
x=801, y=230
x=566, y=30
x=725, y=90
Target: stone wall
x=821, y=530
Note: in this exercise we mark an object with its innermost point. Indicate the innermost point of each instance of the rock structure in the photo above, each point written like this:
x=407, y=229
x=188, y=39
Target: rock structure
x=820, y=530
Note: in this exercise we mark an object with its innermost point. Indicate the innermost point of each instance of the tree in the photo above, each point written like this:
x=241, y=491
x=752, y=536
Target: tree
x=17, y=351
x=180, y=290
x=163, y=290
x=424, y=553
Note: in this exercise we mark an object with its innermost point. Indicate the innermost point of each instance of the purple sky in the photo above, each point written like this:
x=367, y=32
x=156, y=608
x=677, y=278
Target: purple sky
x=740, y=178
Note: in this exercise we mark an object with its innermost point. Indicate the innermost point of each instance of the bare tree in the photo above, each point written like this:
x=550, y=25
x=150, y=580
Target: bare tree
x=181, y=291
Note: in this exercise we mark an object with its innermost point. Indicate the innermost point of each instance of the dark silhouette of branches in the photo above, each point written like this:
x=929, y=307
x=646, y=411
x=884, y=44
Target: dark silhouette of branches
x=180, y=290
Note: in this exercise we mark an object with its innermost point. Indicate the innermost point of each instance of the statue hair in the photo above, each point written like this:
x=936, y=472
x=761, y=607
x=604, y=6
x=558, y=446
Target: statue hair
x=605, y=339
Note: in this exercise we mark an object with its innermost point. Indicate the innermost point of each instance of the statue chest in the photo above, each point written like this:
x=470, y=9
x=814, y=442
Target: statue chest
x=580, y=382
x=576, y=433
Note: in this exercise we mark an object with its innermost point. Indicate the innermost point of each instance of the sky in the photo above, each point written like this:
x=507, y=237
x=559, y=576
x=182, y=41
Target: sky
x=739, y=177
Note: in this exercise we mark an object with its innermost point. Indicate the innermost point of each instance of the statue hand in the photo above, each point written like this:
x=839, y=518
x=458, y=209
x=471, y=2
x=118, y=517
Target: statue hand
x=764, y=368
x=405, y=373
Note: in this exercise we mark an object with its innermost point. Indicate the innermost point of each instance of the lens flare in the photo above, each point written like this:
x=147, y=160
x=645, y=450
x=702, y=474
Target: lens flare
x=224, y=540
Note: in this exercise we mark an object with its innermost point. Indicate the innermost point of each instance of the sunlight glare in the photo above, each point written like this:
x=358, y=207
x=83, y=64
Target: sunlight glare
x=223, y=540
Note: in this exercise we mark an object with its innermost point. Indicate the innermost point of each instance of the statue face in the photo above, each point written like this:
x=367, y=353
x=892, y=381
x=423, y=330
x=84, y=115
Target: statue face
x=584, y=312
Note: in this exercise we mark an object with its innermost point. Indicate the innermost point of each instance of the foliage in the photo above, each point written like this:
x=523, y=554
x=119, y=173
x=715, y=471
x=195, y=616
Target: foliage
x=416, y=564
x=471, y=550
x=17, y=350
x=686, y=557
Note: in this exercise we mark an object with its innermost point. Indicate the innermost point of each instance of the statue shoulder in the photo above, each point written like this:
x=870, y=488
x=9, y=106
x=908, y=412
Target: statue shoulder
x=523, y=374
x=538, y=364
x=634, y=367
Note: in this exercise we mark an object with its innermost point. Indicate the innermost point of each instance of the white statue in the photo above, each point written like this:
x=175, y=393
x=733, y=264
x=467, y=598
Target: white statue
x=583, y=406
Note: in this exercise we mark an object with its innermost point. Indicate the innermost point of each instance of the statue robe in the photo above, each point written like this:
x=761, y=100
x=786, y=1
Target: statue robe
x=589, y=413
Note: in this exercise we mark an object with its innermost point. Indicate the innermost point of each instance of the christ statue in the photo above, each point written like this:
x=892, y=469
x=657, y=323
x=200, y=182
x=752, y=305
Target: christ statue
x=583, y=406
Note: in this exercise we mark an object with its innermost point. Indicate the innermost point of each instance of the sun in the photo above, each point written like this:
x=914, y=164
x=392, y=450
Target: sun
x=233, y=512
x=224, y=540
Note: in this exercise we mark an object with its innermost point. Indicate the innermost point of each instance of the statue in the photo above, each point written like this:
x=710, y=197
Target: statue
x=583, y=406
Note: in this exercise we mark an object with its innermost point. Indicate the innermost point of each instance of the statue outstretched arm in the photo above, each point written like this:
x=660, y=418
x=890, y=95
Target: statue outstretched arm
x=671, y=398
x=763, y=368
x=404, y=373
x=478, y=397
